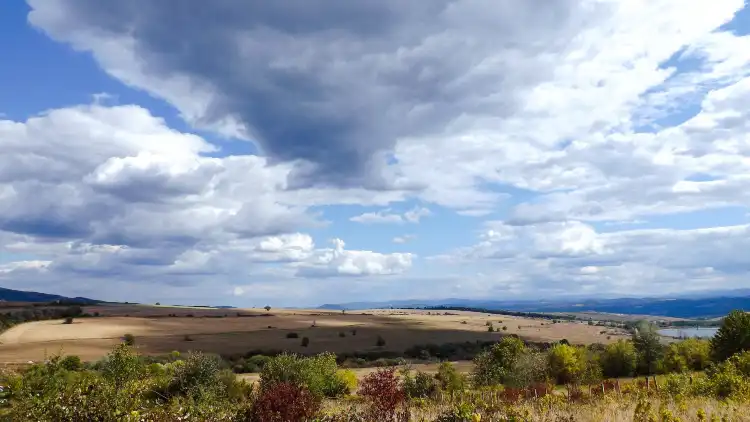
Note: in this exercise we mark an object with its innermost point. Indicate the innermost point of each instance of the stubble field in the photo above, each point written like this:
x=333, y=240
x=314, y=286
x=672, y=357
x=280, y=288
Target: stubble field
x=160, y=330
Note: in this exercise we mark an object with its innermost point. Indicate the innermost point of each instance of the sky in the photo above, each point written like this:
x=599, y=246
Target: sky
x=298, y=153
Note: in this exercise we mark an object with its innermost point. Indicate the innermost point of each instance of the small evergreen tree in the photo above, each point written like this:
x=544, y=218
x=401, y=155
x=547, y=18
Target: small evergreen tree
x=732, y=337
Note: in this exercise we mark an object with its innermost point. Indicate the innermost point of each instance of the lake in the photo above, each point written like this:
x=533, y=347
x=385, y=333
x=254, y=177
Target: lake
x=687, y=332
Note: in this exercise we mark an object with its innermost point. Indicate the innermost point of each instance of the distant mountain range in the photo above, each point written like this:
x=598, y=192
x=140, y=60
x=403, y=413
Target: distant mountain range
x=689, y=307
x=10, y=295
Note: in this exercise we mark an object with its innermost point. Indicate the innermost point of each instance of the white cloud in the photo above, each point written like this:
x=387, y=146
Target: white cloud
x=558, y=119
x=386, y=216
x=404, y=239
x=340, y=262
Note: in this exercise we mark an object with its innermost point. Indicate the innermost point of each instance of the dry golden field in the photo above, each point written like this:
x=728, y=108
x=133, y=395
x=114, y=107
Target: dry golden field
x=222, y=331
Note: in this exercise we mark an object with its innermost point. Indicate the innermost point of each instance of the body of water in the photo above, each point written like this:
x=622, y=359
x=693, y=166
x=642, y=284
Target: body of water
x=704, y=332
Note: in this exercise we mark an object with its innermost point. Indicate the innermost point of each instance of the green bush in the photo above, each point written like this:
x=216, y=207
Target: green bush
x=421, y=385
x=71, y=363
x=380, y=342
x=292, y=335
x=528, y=369
x=128, y=339
x=319, y=374
x=687, y=355
x=305, y=341
x=566, y=364
x=619, y=359
x=491, y=366
x=449, y=379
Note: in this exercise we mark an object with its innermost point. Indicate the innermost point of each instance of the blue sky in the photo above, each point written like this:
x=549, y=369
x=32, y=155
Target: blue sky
x=305, y=154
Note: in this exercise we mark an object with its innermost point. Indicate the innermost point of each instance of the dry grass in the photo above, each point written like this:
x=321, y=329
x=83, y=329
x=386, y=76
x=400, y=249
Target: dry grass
x=222, y=331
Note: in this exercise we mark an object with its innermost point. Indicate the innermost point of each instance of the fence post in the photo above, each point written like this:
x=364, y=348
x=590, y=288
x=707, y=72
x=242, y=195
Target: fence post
x=648, y=385
x=617, y=386
x=603, y=392
x=656, y=384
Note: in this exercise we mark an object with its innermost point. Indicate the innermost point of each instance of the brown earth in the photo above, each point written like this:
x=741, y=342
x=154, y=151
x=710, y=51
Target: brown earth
x=222, y=331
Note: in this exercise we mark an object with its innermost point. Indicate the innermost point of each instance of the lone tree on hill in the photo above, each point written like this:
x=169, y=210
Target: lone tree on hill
x=733, y=336
x=267, y=308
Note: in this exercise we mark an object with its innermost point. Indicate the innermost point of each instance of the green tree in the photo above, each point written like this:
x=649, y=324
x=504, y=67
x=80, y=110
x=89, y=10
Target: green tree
x=648, y=346
x=687, y=355
x=267, y=308
x=619, y=359
x=566, y=364
x=732, y=337
x=449, y=379
x=492, y=366
x=530, y=368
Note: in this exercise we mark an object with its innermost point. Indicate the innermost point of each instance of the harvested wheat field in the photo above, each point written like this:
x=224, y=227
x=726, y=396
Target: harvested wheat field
x=162, y=329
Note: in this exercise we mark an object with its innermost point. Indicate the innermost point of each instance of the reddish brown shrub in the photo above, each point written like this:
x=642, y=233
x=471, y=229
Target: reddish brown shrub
x=284, y=402
x=382, y=393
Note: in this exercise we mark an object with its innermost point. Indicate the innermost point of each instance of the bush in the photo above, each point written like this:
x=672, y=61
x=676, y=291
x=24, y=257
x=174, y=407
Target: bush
x=68, y=320
x=491, y=366
x=380, y=342
x=129, y=339
x=342, y=334
x=284, y=402
x=319, y=373
x=348, y=378
x=619, y=359
x=731, y=338
x=566, y=363
x=198, y=376
x=381, y=392
x=687, y=355
x=505, y=328
x=187, y=338
x=491, y=329
x=421, y=385
x=71, y=363
x=305, y=341
x=449, y=379
x=529, y=369
x=292, y=335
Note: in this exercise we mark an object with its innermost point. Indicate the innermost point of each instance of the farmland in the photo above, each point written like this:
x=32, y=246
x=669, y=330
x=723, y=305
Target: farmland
x=161, y=329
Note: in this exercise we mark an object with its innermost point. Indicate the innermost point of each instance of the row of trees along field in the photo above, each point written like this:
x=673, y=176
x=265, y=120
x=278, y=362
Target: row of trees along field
x=704, y=381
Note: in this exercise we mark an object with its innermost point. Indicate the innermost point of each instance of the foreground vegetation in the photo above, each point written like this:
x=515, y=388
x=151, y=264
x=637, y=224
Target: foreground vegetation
x=511, y=382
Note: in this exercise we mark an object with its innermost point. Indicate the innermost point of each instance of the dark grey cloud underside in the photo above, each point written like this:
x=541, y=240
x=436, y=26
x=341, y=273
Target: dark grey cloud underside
x=335, y=83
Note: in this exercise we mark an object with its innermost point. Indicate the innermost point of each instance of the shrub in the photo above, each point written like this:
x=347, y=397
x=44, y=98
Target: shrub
x=121, y=365
x=380, y=342
x=305, y=341
x=319, y=374
x=284, y=402
x=421, y=385
x=129, y=339
x=491, y=329
x=686, y=355
x=197, y=376
x=292, y=335
x=491, y=366
x=68, y=320
x=529, y=369
x=731, y=338
x=71, y=363
x=342, y=334
x=354, y=332
x=619, y=359
x=449, y=379
x=349, y=379
x=187, y=338
x=505, y=328
x=566, y=364
x=382, y=394
x=267, y=308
